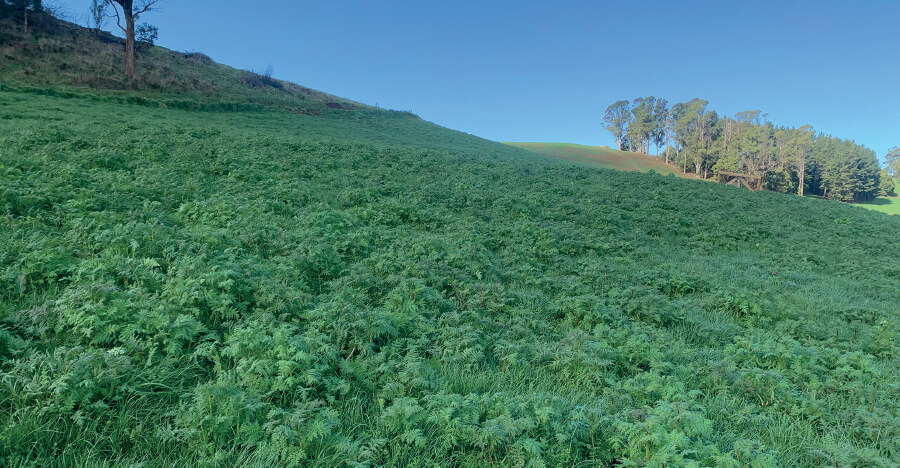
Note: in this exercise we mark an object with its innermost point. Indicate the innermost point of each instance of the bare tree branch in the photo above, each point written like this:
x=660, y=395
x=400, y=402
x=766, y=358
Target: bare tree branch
x=115, y=10
x=131, y=12
x=145, y=7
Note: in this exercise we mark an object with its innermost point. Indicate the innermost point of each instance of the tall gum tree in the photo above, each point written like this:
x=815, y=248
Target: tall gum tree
x=131, y=10
x=892, y=159
x=642, y=125
x=660, y=115
x=617, y=118
x=798, y=145
x=687, y=117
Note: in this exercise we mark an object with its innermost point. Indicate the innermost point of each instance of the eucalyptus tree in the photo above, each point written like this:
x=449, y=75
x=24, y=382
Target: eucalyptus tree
x=797, y=148
x=892, y=159
x=704, y=142
x=617, y=118
x=659, y=133
x=676, y=114
x=97, y=12
x=751, y=146
x=669, y=128
x=131, y=11
x=711, y=127
x=687, y=126
x=642, y=126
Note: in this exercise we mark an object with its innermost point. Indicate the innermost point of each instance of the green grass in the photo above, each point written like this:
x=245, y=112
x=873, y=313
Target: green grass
x=889, y=205
x=600, y=156
x=60, y=57
x=256, y=286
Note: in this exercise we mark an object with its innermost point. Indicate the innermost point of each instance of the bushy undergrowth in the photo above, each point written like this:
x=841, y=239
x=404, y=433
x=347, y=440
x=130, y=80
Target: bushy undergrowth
x=220, y=289
x=66, y=58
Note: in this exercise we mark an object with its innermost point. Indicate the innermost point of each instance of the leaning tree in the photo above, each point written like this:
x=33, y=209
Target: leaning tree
x=131, y=10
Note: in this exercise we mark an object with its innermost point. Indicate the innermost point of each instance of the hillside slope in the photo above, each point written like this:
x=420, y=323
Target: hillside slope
x=63, y=57
x=228, y=286
x=600, y=156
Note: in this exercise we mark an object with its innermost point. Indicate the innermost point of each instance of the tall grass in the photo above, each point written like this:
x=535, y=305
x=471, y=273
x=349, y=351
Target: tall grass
x=266, y=288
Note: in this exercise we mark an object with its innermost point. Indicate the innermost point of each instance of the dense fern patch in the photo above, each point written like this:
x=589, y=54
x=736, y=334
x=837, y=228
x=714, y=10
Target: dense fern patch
x=194, y=288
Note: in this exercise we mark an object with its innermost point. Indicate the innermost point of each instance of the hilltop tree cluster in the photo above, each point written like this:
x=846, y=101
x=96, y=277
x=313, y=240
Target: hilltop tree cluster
x=702, y=142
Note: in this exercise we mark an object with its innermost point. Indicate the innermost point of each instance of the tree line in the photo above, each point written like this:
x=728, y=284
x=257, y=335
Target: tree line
x=789, y=160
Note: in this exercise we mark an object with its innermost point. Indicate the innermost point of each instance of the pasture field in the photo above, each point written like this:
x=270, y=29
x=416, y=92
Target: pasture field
x=889, y=205
x=209, y=267
x=207, y=288
x=601, y=156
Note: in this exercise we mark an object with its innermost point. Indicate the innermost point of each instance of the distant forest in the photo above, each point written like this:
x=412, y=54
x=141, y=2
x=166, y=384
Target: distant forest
x=789, y=160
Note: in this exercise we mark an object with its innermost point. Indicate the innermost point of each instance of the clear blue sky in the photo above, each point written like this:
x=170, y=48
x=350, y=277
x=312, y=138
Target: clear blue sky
x=545, y=71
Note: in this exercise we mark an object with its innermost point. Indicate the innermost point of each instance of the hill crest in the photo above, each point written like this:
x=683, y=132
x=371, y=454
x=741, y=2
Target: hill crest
x=601, y=156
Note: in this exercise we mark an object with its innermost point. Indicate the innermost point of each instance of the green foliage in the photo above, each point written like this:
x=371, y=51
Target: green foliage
x=780, y=180
x=146, y=34
x=886, y=187
x=221, y=285
x=617, y=119
x=785, y=158
x=243, y=289
x=69, y=61
x=892, y=159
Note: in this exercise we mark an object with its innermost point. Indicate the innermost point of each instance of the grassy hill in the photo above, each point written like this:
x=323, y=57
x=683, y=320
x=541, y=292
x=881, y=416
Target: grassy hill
x=600, y=156
x=61, y=57
x=259, y=279
x=603, y=156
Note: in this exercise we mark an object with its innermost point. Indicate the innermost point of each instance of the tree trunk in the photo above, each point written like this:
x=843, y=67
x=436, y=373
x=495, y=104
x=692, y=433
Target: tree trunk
x=129, y=40
x=668, y=145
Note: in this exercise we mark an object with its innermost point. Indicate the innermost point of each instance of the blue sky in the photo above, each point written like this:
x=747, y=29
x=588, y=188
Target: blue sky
x=545, y=71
